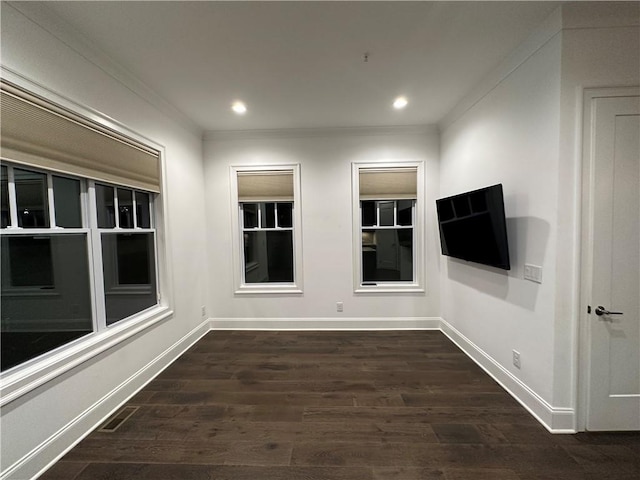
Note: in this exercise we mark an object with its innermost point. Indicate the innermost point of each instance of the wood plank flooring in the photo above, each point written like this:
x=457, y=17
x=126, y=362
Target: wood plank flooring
x=337, y=406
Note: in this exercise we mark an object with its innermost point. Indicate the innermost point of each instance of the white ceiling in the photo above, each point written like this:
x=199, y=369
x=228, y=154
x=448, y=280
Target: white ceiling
x=301, y=64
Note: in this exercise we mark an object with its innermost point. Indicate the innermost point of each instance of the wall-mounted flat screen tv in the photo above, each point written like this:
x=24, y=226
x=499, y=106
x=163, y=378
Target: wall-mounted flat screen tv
x=473, y=227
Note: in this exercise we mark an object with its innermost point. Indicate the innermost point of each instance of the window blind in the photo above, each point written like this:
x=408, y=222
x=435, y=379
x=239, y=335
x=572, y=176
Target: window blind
x=388, y=183
x=37, y=133
x=273, y=185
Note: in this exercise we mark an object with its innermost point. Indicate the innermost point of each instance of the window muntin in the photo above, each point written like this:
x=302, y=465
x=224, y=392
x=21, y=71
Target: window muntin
x=49, y=297
x=268, y=242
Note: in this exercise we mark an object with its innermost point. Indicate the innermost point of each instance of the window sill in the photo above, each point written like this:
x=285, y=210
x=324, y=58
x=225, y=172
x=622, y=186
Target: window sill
x=263, y=289
x=129, y=290
x=38, y=371
x=389, y=288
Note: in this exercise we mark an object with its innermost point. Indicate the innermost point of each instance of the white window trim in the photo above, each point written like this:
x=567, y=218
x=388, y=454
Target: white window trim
x=34, y=373
x=419, y=257
x=241, y=288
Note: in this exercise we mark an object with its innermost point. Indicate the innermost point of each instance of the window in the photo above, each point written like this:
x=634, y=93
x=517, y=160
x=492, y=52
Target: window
x=128, y=251
x=387, y=241
x=267, y=247
x=268, y=242
x=79, y=256
x=388, y=238
x=46, y=250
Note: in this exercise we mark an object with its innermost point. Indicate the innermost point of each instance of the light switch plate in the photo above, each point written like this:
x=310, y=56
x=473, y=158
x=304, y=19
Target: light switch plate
x=533, y=273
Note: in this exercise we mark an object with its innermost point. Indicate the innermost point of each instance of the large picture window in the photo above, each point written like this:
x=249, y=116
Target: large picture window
x=268, y=243
x=387, y=229
x=79, y=256
x=46, y=299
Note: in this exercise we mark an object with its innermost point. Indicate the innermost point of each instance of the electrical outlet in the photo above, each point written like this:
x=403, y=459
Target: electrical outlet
x=533, y=273
x=339, y=306
x=204, y=311
x=516, y=359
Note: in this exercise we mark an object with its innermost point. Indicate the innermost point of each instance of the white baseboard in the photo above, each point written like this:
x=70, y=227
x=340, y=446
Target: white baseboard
x=398, y=323
x=51, y=450
x=556, y=420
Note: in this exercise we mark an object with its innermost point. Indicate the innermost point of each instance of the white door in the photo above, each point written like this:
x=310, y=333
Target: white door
x=613, y=324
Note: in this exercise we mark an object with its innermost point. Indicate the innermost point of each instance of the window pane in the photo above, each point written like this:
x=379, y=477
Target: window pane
x=285, y=215
x=125, y=208
x=142, y=210
x=30, y=263
x=368, y=213
x=387, y=255
x=66, y=198
x=249, y=248
x=386, y=213
x=250, y=215
x=105, y=205
x=129, y=265
x=32, y=199
x=4, y=193
x=268, y=215
x=57, y=307
x=268, y=256
x=405, y=212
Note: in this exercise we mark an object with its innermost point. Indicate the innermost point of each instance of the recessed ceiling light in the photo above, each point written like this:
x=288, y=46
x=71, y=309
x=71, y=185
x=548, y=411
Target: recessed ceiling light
x=239, y=107
x=400, y=103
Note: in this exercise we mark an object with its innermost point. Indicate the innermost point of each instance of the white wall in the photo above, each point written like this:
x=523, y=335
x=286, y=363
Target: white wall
x=325, y=158
x=36, y=54
x=510, y=136
x=525, y=132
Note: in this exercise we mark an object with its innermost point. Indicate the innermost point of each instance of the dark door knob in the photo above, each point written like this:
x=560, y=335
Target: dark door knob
x=600, y=310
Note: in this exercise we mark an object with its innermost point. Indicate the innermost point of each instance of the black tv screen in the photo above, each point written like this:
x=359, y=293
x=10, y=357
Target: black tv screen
x=473, y=227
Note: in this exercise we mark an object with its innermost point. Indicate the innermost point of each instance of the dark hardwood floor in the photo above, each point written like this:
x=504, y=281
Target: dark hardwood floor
x=337, y=406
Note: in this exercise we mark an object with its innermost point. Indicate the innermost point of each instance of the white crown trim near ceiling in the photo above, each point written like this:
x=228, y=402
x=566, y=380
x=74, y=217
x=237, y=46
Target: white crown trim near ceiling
x=48, y=20
x=219, y=135
x=547, y=30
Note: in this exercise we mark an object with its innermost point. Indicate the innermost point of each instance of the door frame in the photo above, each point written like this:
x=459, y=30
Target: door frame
x=586, y=240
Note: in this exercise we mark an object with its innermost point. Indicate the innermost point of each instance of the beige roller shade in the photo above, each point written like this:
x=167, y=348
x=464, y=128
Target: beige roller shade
x=388, y=183
x=37, y=133
x=274, y=185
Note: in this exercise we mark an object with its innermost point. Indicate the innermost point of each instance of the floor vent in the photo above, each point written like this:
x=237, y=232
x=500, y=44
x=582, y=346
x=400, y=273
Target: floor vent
x=116, y=420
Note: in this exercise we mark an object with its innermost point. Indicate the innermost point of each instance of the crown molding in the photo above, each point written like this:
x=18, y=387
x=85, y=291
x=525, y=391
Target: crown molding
x=547, y=31
x=222, y=135
x=43, y=16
